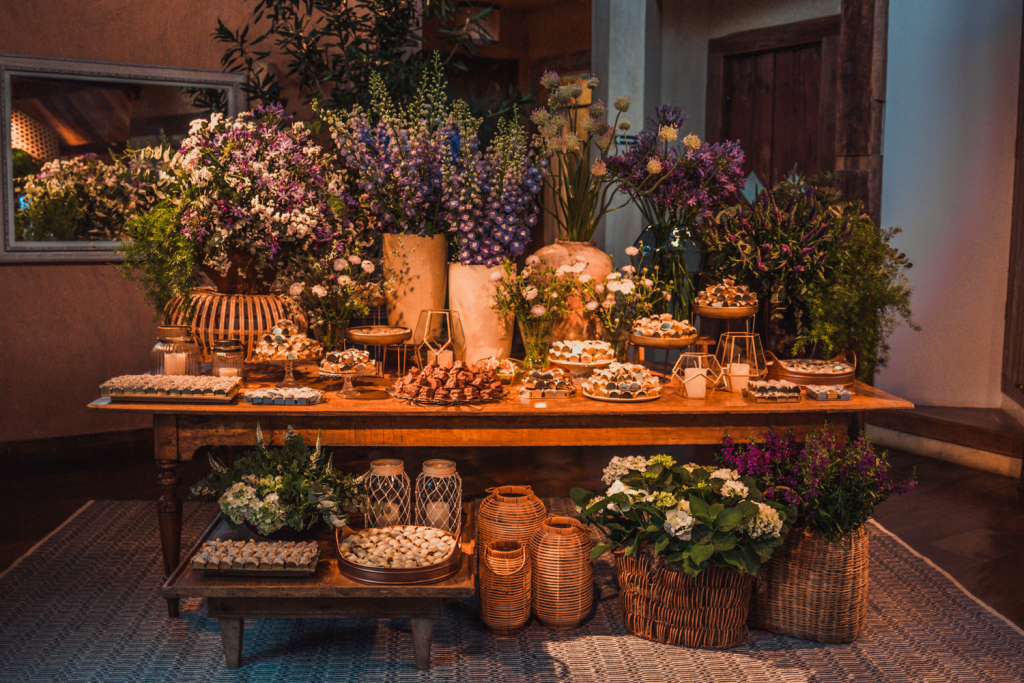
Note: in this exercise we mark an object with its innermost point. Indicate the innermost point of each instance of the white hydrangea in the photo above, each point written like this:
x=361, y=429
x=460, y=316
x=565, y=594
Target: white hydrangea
x=734, y=488
x=726, y=474
x=766, y=523
x=235, y=502
x=618, y=467
x=679, y=522
x=618, y=487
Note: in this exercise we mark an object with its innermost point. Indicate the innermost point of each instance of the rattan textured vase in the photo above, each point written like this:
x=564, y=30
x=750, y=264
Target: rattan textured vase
x=563, y=577
x=709, y=611
x=505, y=587
x=509, y=513
x=814, y=589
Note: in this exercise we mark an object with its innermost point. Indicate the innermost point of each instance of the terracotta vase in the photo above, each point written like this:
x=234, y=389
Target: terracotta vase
x=577, y=324
x=416, y=267
x=242, y=277
x=488, y=332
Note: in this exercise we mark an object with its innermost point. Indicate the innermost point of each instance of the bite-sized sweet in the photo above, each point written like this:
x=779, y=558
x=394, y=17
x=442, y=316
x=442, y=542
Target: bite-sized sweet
x=283, y=396
x=284, y=342
x=816, y=367
x=663, y=326
x=726, y=295
x=349, y=360
x=257, y=555
x=399, y=547
x=772, y=390
x=831, y=392
x=171, y=385
x=452, y=382
x=622, y=381
x=585, y=351
x=549, y=383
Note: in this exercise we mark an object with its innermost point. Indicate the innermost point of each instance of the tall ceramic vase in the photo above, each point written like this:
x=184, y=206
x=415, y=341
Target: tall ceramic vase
x=577, y=324
x=470, y=290
x=416, y=267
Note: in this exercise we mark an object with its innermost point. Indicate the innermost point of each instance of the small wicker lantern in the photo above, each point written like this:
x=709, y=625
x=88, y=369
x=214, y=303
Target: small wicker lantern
x=505, y=583
x=563, y=577
x=439, y=496
x=742, y=359
x=509, y=513
x=697, y=375
x=387, y=494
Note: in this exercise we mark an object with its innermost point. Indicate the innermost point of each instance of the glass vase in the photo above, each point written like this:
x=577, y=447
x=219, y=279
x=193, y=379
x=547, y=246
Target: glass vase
x=331, y=335
x=619, y=339
x=668, y=249
x=536, y=337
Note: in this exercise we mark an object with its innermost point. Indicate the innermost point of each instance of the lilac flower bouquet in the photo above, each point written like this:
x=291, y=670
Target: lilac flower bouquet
x=834, y=490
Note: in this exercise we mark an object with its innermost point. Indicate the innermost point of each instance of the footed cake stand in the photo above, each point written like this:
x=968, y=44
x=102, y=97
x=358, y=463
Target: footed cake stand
x=349, y=390
x=289, y=381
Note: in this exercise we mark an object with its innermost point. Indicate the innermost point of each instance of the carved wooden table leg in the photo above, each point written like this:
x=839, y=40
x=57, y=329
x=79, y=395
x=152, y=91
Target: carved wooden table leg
x=232, y=633
x=168, y=506
x=422, y=633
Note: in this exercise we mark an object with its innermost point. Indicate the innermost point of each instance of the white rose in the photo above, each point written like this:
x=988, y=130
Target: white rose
x=368, y=267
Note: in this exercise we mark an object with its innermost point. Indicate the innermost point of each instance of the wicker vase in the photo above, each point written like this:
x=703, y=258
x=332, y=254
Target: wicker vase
x=509, y=513
x=658, y=604
x=814, y=589
x=505, y=587
x=563, y=577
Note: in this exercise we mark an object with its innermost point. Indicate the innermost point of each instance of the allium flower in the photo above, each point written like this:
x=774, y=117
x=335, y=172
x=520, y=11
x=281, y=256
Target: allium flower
x=532, y=260
x=319, y=291
x=344, y=280
x=622, y=103
x=599, y=168
x=538, y=310
x=592, y=82
x=495, y=276
x=692, y=141
x=340, y=264
x=368, y=267
x=295, y=290
x=597, y=110
x=625, y=125
x=592, y=306
x=668, y=133
x=550, y=80
x=530, y=294
x=667, y=115
x=632, y=251
x=654, y=166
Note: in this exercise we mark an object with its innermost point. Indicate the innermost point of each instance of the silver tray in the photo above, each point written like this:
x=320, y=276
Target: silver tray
x=446, y=402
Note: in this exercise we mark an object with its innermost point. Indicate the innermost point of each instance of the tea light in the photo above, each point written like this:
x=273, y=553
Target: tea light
x=437, y=514
x=739, y=376
x=175, y=364
x=227, y=372
x=694, y=387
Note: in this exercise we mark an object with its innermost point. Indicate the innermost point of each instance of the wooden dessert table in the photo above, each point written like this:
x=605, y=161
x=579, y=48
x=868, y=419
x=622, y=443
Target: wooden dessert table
x=374, y=419
x=327, y=594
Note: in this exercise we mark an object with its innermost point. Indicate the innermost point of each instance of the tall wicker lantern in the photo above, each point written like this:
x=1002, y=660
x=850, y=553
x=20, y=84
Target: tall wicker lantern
x=509, y=513
x=505, y=586
x=439, y=496
x=387, y=494
x=563, y=577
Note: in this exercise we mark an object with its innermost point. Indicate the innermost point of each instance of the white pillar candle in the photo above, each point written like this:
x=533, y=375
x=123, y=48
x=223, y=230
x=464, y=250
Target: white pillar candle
x=227, y=372
x=442, y=357
x=739, y=375
x=390, y=515
x=695, y=382
x=175, y=363
x=437, y=515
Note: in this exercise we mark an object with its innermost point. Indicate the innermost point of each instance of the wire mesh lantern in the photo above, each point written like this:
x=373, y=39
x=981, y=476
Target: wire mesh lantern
x=387, y=494
x=697, y=375
x=742, y=359
x=444, y=341
x=439, y=496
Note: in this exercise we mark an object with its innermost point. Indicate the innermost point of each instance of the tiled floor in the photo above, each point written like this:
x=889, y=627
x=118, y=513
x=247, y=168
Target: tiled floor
x=968, y=522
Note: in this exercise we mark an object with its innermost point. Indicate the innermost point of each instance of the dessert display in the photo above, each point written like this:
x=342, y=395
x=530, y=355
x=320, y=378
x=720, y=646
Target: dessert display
x=504, y=368
x=452, y=383
x=171, y=387
x=379, y=331
x=283, y=396
x=772, y=391
x=284, y=342
x=398, y=547
x=549, y=383
x=833, y=392
x=257, y=557
x=349, y=360
x=815, y=367
x=663, y=326
x=622, y=382
x=378, y=335
x=586, y=352
x=805, y=371
x=726, y=295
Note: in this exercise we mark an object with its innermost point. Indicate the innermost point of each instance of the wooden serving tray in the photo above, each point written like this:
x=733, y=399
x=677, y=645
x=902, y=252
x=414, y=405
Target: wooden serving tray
x=846, y=379
x=663, y=342
x=173, y=398
x=608, y=399
x=754, y=398
x=357, y=335
x=399, y=577
x=725, y=312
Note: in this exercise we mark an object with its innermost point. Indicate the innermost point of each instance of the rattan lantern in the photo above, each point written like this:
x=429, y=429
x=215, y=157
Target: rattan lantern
x=387, y=494
x=742, y=359
x=505, y=587
x=697, y=375
x=443, y=338
x=509, y=513
x=563, y=576
x=439, y=496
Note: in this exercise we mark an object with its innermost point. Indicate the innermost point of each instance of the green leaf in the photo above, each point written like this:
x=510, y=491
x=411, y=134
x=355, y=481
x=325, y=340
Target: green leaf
x=698, y=507
x=598, y=550
x=723, y=541
x=728, y=519
x=661, y=544
x=581, y=497
x=701, y=553
x=715, y=510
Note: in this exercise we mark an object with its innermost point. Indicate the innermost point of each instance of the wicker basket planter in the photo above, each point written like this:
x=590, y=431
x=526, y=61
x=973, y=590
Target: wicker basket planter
x=509, y=513
x=505, y=587
x=563, y=577
x=665, y=606
x=814, y=589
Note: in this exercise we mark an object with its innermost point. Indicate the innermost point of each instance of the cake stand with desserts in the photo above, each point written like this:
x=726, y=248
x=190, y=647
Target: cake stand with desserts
x=383, y=337
x=623, y=383
x=347, y=365
x=581, y=357
x=285, y=345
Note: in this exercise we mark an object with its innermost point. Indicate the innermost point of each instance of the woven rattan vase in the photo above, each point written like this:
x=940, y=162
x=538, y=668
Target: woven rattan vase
x=509, y=513
x=505, y=587
x=658, y=604
x=814, y=589
x=563, y=577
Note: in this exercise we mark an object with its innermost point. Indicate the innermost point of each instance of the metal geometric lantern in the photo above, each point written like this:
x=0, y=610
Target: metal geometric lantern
x=742, y=359
x=443, y=338
x=697, y=375
x=439, y=496
x=387, y=494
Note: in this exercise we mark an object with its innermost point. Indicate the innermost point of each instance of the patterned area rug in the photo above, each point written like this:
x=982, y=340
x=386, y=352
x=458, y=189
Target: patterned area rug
x=85, y=606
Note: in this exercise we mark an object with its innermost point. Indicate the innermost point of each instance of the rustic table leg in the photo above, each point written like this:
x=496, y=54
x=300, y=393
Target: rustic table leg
x=422, y=633
x=232, y=632
x=168, y=506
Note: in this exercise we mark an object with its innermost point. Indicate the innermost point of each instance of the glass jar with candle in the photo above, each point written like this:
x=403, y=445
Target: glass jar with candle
x=387, y=494
x=175, y=353
x=228, y=358
x=439, y=496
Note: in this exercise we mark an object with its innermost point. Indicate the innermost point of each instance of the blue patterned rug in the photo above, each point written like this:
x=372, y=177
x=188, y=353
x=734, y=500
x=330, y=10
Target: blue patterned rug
x=85, y=606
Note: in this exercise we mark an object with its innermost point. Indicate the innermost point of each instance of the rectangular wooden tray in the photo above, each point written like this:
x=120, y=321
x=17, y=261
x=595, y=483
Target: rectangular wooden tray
x=831, y=396
x=754, y=398
x=296, y=573
x=173, y=398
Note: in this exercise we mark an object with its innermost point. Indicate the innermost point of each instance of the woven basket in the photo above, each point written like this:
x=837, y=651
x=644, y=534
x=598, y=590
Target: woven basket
x=509, y=513
x=505, y=587
x=563, y=577
x=814, y=589
x=658, y=604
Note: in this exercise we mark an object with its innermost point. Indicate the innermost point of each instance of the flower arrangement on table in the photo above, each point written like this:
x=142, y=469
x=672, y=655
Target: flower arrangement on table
x=676, y=183
x=537, y=296
x=293, y=486
x=688, y=515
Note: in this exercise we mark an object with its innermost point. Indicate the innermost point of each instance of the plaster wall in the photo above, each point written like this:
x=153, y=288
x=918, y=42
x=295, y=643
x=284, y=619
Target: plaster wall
x=950, y=126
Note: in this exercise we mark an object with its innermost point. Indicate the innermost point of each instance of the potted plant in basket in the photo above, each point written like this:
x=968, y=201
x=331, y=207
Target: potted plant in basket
x=283, y=493
x=688, y=541
x=823, y=564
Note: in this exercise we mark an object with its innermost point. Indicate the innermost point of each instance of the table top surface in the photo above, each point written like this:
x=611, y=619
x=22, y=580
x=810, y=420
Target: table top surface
x=327, y=582
x=374, y=401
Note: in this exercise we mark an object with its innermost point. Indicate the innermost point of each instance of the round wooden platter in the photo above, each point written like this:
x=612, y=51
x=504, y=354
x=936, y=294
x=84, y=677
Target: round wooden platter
x=348, y=375
x=663, y=342
x=386, y=576
x=579, y=367
x=777, y=371
x=608, y=399
x=358, y=335
x=725, y=312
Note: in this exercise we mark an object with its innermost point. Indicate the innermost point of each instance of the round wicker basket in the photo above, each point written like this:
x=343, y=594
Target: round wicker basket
x=563, y=577
x=505, y=587
x=814, y=589
x=509, y=513
x=658, y=604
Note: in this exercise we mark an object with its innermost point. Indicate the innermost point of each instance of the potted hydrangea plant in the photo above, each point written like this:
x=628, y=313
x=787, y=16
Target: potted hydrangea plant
x=688, y=542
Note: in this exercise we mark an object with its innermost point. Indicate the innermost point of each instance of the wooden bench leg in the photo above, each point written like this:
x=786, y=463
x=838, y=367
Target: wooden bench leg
x=422, y=633
x=168, y=508
x=232, y=632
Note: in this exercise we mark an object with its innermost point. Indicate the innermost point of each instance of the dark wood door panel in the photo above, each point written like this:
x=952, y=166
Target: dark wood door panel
x=797, y=94
x=749, y=108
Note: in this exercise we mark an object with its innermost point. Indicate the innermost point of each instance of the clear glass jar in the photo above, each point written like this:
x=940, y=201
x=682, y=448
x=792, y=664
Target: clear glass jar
x=175, y=353
x=228, y=358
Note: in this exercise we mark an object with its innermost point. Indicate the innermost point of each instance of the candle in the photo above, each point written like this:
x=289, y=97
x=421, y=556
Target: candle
x=390, y=515
x=695, y=382
x=175, y=364
x=739, y=375
x=437, y=515
x=227, y=372
x=442, y=357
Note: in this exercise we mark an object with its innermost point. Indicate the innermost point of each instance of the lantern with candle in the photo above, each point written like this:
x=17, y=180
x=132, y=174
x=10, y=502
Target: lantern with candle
x=387, y=494
x=439, y=496
x=444, y=341
x=228, y=358
x=742, y=358
x=175, y=353
x=697, y=375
